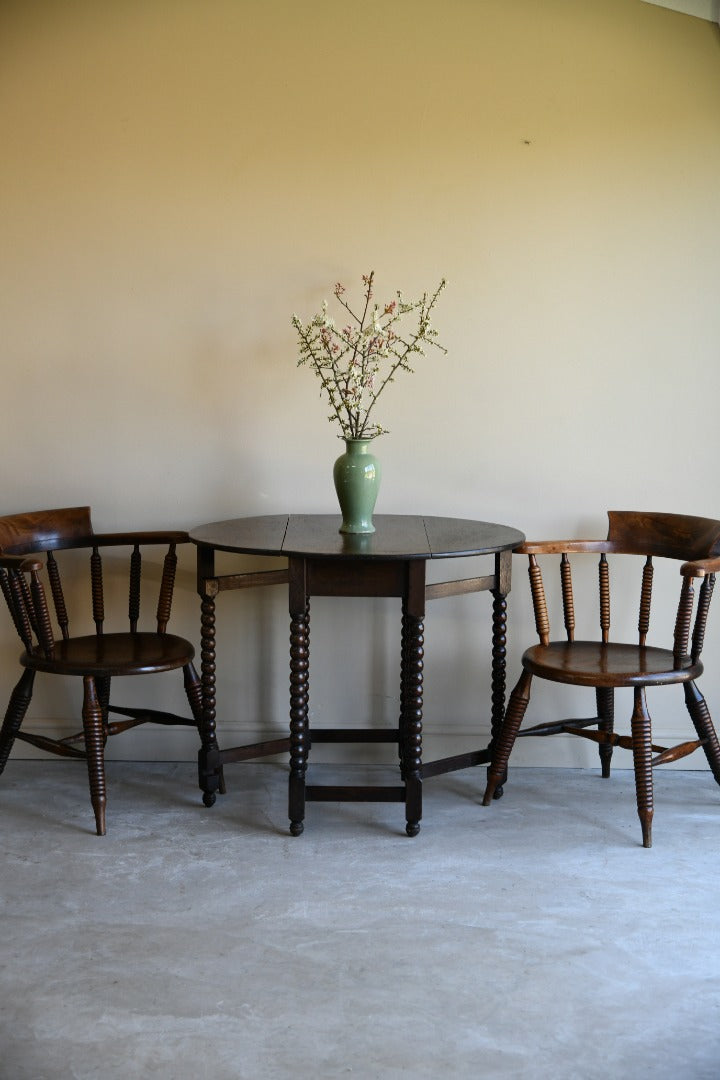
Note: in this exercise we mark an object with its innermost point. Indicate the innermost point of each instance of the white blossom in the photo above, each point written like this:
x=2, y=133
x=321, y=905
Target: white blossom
x=348, y=361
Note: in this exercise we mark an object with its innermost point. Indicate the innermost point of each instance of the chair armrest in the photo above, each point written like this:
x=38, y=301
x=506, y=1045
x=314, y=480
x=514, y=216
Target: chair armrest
x=557, y=547
x=125, y=539
x=700, y=567
x=20, y=562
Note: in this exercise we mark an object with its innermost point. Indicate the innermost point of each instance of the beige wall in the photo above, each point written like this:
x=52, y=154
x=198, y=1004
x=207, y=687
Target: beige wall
x=179, y=177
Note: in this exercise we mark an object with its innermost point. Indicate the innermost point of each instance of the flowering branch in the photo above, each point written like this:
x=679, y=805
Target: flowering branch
x=356, y=362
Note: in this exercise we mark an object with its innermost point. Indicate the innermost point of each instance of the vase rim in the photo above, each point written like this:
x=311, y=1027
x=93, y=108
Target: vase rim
x=358, y=445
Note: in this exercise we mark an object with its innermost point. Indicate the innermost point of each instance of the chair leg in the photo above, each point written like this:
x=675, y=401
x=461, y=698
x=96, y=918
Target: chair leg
x=605, y=697
x=17, y=707
x=95, y=750
x=506, y=740
x=102, y=684
x=193, y=689
x=700, y=715
x=642, y=759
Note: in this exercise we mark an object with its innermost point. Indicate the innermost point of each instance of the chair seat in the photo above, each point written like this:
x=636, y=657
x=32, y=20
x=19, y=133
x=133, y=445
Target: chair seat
x=113, y=654
x=591, y=663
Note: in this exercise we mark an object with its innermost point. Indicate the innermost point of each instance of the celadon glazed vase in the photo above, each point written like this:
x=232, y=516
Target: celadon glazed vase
x=357, y=480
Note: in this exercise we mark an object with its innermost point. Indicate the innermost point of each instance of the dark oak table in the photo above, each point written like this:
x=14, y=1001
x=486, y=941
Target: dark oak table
x=323, y=562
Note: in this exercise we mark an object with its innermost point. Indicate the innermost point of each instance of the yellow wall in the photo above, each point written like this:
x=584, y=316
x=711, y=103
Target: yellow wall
x=179, y=177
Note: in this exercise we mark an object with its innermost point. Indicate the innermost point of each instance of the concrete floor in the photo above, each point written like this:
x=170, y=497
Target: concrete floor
x=532, y=939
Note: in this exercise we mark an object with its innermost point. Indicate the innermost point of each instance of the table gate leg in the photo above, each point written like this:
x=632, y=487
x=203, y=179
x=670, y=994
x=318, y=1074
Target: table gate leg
x=299, y=698
x=210, y=775
x=499, y=650
x=411, y=698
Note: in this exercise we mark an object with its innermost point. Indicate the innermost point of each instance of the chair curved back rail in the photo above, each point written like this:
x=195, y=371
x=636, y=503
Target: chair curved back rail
x=669, y=536
x=50, y=531
x=695, y=542
x=28, y=546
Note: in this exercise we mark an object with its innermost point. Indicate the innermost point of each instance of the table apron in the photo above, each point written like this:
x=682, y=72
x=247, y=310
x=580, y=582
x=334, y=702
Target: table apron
x=331, y=577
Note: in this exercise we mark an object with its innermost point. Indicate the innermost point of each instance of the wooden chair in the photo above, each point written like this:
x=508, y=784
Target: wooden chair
x=605, y=665
x=97, y=657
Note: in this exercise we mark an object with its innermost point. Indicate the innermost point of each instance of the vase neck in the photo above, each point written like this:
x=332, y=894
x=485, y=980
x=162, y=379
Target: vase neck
x=357, y=446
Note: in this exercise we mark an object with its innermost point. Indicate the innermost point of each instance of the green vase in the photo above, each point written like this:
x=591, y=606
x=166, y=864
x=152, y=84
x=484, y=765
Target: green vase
x=357, y=480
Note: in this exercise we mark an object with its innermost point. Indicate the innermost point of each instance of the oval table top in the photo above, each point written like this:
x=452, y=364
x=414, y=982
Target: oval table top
x=396, y=536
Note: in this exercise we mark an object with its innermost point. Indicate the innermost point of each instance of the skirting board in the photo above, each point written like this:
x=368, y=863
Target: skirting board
x=154, y=743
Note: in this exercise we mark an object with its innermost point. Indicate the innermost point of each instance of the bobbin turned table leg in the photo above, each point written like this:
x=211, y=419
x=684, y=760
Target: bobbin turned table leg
x=503, y=569
x=299, y=694
x=210, y=775
x=412, y=655
x=411, y=678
